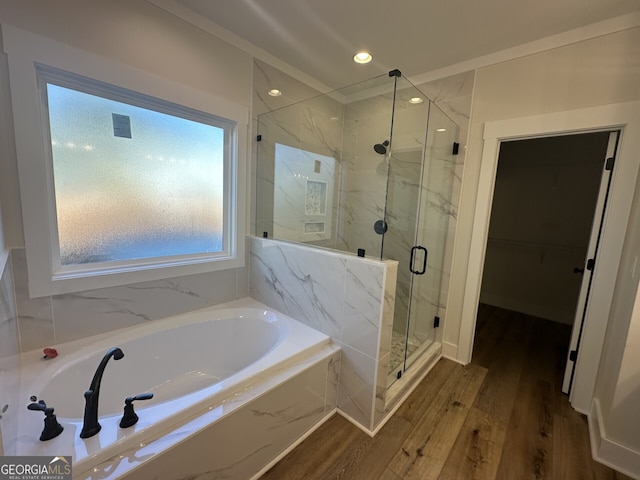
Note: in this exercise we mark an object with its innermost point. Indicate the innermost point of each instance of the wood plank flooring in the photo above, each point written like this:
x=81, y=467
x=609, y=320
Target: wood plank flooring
x=501, y=417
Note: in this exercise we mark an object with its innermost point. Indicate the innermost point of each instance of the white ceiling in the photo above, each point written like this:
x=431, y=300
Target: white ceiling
x=320, y=37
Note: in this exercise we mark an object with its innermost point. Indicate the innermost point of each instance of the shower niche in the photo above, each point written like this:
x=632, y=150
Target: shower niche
x=367, y=169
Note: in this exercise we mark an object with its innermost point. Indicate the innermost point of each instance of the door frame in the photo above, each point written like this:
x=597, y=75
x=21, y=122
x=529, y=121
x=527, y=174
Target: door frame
x=622, y=116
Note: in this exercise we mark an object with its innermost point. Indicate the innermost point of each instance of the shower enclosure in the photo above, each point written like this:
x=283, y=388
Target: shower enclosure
x=366, y=169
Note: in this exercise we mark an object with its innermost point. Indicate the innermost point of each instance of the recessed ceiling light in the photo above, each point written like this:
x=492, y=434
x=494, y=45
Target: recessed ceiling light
x=416, y=100
x=274, y=92
x=362, y=57
x=441, y=129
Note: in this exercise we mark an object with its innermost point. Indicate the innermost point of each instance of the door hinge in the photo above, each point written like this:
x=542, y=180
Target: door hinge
x=609, y=163
x=573, y=355
x=591, y=263
x=436, y=321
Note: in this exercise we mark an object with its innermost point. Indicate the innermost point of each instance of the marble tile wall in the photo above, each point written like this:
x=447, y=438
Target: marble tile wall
x=299, y=118
x=52, y=320
x=304, y=196
x=9, y=347
x=344, y=296
x=384, y=353
x=367, y=123
x=307, y=128
x=350, y=136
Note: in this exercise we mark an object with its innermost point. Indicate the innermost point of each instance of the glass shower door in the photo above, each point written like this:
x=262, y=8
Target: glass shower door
x=418, y=211
x=403, y=202
x=404, y=187
x=427, y=298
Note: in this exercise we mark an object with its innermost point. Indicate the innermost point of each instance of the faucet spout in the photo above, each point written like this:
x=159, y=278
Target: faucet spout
x=91, y=426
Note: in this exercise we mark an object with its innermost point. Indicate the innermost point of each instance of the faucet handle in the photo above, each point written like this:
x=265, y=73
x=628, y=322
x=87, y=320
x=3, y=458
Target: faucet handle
x=129, y=417
x=41, y=406
x=142, y=396
x=51, y=426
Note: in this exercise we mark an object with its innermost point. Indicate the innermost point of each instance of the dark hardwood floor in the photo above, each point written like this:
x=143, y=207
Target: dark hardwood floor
x=500, y=417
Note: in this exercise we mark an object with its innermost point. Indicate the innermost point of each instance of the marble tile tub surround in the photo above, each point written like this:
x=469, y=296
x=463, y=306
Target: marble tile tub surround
x=251, y=439
x=9, y=347
x=51, y=320
x=341, y=295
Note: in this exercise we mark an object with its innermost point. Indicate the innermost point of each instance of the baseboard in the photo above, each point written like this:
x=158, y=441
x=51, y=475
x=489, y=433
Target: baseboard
x=450, y=352
x=607, y=451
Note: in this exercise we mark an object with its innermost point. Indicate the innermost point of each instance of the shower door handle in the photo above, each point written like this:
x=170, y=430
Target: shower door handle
x=424, y=260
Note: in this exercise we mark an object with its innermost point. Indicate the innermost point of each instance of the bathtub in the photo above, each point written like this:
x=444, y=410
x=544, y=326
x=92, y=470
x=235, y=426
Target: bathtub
x=200, y=367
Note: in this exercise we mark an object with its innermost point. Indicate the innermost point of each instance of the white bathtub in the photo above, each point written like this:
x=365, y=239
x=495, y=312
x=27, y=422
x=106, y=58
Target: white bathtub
x=206, y=361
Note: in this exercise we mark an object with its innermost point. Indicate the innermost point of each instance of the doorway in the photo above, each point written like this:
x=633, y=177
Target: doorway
x=548, y=199
x=624, y=117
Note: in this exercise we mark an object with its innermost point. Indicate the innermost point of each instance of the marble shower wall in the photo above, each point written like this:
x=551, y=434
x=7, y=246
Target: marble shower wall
x=362, y=184
x=9, y=347
x=367, y=123
x=304, y=119
x=421, y=175
x=347, y=297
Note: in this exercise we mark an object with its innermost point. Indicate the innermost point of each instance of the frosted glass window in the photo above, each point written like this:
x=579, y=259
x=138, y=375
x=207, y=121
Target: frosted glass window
x=131, y=182
x=126, y=176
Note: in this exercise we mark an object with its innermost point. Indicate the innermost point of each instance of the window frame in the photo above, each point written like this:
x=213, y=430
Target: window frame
x=34, y=61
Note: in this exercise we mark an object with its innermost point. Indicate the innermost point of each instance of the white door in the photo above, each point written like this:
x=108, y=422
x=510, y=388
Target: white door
x=590, y=261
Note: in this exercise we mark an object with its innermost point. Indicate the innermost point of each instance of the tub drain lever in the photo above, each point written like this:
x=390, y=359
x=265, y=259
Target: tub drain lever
x=51, y=426
x=129, y=418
